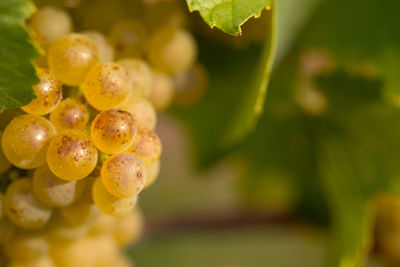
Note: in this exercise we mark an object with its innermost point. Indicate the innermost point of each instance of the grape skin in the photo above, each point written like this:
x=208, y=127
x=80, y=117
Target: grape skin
x=142, y=111
x=152, y=173
x=162, y=92
x=26, y=247
x=70, y=114
x=48, y=94
x=54, y=191
x=127, y=229
x=123, y=175
x=71, y=56
x=147, y=147
x=22, y=207
x=106, y=51
x=25, y=141
x=72, y=155
x=4, y=164
x=110, y=204
x=106, y=85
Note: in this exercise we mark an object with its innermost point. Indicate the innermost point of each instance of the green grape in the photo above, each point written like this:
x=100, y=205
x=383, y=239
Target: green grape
x=147, y=147
x=172, y=50
x=127, y=229
x=152, y=173
x=25, y=141
x=53, y=191
x=72, y=155
x=123, y=175
x=106, y=51
x=48, y=94
x=162, y=92
x=51, y=23
x=139, y=75
x=7, y=230
x=106, y=85
x=70, y=114
x=26, y=247
x=190, y=85
x=22, y=207
x=113, y=131
x=44, y=261
x=128, y=38
x=142, y=111
x=4, y=163
x=71, y=56
x=110, y=204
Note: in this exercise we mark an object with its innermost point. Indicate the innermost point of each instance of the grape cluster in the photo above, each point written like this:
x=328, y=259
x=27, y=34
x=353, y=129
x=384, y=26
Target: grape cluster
x=74, y=159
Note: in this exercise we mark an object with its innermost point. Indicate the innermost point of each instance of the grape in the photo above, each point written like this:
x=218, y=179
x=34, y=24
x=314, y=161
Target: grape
x=152, y=173
x=70, y=114
x=22, y=207
x=121, y=261
x=51, y=23
x=147, y=147
x=26, y=139
x=4, y=164
x=72, y=155
x=106, y=85
x=162, y=92
x=53, y=191
x=110, y=204
x=103, y=224
x=190, y=85
x=172, y=50
x=113, y=131
x=139, y=75
x=61, y=231
x=7, y=230
x=128, y=228
x=44, y=261
x=48, y=93
x=26, y=247
x=106, y=51
x=123, y=175
x=142, y=111
x=128, y=38
x=71, y=56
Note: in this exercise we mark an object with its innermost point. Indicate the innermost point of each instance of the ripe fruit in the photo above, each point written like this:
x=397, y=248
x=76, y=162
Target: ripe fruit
x=147, y=147
x=70, y=114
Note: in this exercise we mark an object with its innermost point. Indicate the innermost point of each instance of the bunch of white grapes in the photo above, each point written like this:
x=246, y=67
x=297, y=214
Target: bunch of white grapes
x=74, y=160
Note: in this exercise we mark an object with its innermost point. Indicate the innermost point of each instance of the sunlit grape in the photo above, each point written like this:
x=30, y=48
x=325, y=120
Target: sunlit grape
x=162, y=91
x=139, y=75
x=113, y=131
x=25, y=141
x=106, y=85
x=22, y=207
x=190, y=85
x=71, y=56
x=54, y=191
x=72, y=155
x=70, y=114
x=127, y=229
x=123, y=175
x=106, y=51
x=147, y=147
x=152, y=173
x=110, y=204
x=142, y=111
x=172, y=50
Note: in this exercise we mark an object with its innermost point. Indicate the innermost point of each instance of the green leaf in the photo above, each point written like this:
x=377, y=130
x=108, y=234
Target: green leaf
x=228, y=15
x=16, y=55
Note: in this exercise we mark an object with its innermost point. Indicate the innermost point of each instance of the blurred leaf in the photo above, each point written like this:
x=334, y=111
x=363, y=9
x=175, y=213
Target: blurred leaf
x=16, y=55
x=228, y=15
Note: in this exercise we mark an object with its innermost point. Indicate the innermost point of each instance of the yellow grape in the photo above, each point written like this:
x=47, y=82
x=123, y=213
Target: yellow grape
x=106, y=51
x=152, y=173
x=44, y=261
x=54, y=191
x=142, y=111
x=60, y=230
x=121, y=261
x=106, y=85
x=71, y=56
x=139, y=75
x=22, y=207
x=190, y=85
x=70, y=114
x=172, y=50
x=110, y=204
x=128, y=38
x=72, y=155
x=123, y=175
x=25, y=141
x=51, y=23
x=162, y=92
x=103, y=224
x=4, y=164
x=127, y=229
x=113, y=131
x=7, y=230
x=48, y=94
x=26, y=247
x=147, y=147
